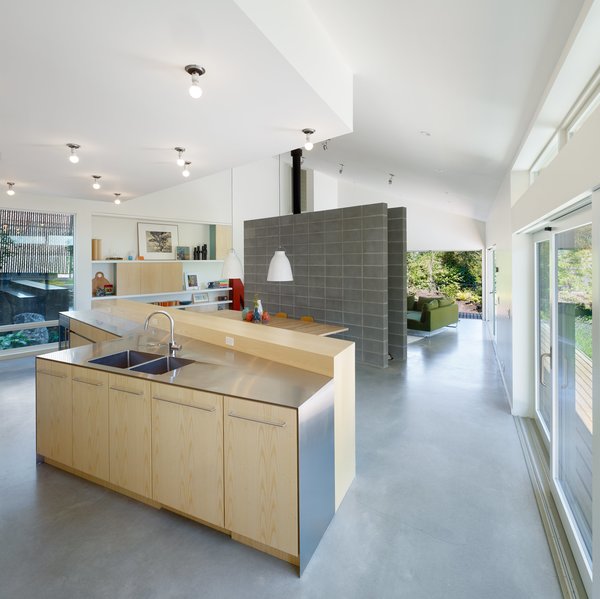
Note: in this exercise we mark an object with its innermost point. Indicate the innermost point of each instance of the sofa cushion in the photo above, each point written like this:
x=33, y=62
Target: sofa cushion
x=430, y=305
x=445, y=301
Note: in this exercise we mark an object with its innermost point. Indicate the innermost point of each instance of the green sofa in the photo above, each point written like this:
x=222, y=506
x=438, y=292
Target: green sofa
x=430, y=314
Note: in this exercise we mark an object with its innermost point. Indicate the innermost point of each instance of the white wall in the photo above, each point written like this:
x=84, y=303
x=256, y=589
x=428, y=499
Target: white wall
x=427, y=228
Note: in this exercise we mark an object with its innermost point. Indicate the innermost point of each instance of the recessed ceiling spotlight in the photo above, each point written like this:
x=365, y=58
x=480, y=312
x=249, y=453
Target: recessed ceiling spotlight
x=73, y=157
x=341, y=169
x=117, y=198
x=96, y=183
x=186, y=170
x=425, y=133
x=180, y=160
x=391, y=178
x=308, y=132
x=196, y=72
x=10, y=191
x=325, y=146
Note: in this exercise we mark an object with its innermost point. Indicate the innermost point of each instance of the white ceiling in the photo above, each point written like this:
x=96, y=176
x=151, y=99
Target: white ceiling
x=469, y=72
x=111, y=79
x=110, y=76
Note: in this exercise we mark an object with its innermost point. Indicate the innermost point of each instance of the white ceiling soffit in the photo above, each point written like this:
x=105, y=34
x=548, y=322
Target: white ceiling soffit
x=581, y=59
x=111, y=78
x=469, y=73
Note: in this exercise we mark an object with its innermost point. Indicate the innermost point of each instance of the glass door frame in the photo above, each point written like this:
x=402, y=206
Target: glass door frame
x=546, y=433
x=578, y=219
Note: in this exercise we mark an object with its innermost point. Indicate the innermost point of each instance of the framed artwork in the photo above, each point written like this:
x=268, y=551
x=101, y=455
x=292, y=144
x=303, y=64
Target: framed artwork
x=198, y=298
x=157, y=241
x=183, y=252
x=191, y=281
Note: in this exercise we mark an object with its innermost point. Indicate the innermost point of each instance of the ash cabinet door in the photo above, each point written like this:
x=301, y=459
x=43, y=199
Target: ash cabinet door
x=90, y=421
x=261, y=473
x=187, y=451
x=54, y=411
x=130, y=422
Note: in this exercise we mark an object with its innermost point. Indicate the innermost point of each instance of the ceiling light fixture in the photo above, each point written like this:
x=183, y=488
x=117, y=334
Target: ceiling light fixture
x=425, y=133
x=180, y=159
x=325, y=147
x=308, y=132
x=280, y=268
x=96, y=183
x=186, y=170
x=341, y=169
x=73, y=157
x=232, y=267
x=10, y=191
x=117, y=198
x=196, y=72
x=390, y=179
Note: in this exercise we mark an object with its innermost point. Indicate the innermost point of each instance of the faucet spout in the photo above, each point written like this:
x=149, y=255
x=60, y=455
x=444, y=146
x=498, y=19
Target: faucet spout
x=173, y=347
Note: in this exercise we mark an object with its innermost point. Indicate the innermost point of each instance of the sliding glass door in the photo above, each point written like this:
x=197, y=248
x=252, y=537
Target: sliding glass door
x=564, y=366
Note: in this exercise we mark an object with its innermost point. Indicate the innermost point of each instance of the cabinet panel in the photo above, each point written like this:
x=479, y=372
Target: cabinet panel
x=151, y=278
x=172, y=276
x=128, y=278
x=54, y=411
x=90, y=421
x=187, y=451
x=130, y=434
x=222, y=241
x=261, y=476
x=76, y=341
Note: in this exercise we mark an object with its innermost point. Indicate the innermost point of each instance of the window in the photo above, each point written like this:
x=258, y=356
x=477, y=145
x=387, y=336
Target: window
x=548, y=154
x=36, y=277
x=584, y=114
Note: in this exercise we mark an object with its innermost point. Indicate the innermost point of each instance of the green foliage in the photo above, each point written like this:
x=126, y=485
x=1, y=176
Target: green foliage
x=13, y=340
x=456, y=275
x=583, y=335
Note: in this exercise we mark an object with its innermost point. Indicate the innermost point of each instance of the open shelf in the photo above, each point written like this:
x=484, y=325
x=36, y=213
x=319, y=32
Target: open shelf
x=159, y=261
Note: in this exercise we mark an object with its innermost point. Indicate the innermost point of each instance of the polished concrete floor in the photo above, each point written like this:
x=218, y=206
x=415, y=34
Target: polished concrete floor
x=441, y=507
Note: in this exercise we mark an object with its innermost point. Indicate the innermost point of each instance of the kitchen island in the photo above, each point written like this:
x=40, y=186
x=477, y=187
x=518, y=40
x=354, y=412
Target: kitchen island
x=235, y=441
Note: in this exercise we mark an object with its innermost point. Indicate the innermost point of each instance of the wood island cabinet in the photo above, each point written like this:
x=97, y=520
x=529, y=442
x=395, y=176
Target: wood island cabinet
x=187, y=451
x=130, y=423
x=261, y=473
x=54, y=411
x=90, y=421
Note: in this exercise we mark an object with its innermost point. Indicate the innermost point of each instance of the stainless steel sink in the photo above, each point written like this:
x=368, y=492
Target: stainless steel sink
x=162, y=365
x=125, y=359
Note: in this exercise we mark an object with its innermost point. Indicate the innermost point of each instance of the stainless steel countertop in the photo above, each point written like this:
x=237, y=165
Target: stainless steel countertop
x=216, y=369
x=105, y=321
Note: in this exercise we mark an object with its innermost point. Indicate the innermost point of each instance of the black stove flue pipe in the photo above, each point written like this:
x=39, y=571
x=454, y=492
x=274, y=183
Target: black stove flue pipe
x=296, y=181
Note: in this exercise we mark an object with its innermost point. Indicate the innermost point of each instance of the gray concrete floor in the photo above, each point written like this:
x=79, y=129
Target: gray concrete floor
x=441, y=507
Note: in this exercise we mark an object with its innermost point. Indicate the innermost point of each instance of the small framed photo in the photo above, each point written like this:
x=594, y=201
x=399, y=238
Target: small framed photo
x=191, y=281
x=199, y=298
x=183, y=252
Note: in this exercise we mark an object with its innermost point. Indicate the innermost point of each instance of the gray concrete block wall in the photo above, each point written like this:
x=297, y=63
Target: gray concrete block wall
x=340, y=263
x=397, y=283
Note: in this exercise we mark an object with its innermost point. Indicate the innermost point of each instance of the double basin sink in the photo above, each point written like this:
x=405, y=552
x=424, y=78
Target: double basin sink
x=137, y=361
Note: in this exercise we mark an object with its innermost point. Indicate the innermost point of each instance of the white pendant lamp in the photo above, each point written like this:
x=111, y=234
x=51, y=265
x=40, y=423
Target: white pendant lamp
x=280, y=268
x=232, y=267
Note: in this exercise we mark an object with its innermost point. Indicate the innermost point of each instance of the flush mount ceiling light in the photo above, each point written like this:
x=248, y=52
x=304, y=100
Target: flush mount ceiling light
x=117, y=198
x=196, y=72
x=390, y=179
x=325, y=146
x=425, y=133
x=180, y=160
x=308, y=132
x=186, y=170
x=73, y=157
x=96, y=183
x=10, y=191
x=341, y=169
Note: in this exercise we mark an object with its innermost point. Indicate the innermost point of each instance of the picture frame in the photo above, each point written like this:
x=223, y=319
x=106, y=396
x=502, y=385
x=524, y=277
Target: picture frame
x=157, y=241
x=199, y=298
x=191, y=281
x=182, y=252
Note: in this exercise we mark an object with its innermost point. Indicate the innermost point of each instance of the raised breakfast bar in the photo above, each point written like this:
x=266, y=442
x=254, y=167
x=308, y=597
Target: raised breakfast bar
x=249, y=429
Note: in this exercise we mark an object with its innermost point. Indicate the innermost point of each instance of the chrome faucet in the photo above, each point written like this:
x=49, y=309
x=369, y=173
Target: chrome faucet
x=173, y=347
